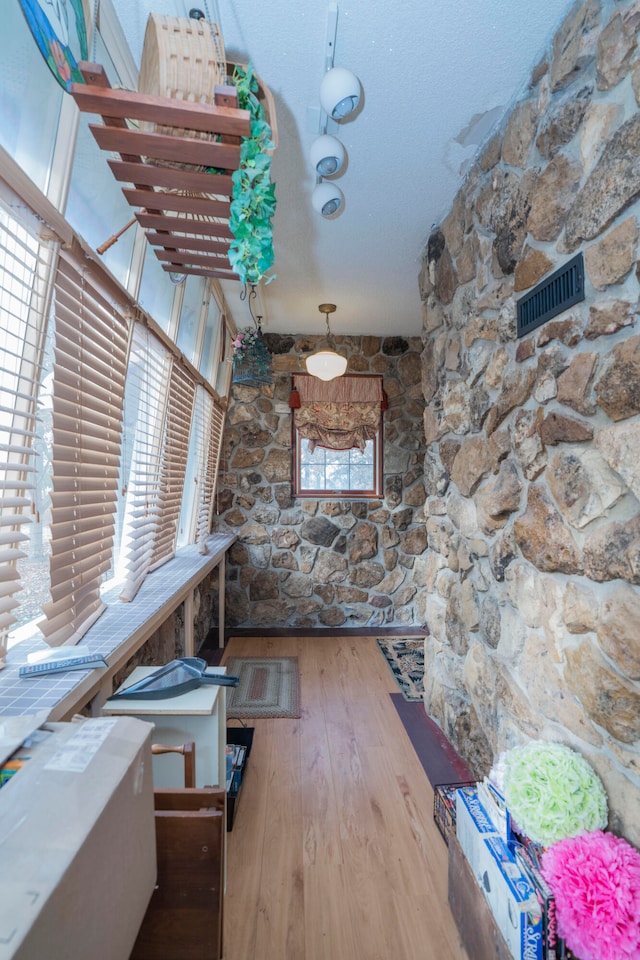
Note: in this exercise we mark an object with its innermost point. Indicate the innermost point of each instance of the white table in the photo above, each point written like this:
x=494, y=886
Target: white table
x=199, y=715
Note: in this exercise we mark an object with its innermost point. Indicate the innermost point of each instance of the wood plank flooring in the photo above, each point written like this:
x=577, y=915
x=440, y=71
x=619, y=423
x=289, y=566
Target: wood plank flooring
x=334, y=854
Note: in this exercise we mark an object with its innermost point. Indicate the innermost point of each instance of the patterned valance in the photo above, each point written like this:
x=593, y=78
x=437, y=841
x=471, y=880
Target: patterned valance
x=339, y=414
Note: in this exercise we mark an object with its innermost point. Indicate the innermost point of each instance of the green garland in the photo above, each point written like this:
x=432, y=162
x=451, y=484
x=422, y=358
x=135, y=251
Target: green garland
x=253, y=199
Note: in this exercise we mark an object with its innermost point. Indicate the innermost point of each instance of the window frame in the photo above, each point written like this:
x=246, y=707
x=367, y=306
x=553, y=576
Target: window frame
x=303, y=493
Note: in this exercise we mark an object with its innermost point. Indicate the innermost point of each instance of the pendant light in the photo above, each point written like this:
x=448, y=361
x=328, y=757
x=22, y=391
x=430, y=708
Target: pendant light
x=326, y=363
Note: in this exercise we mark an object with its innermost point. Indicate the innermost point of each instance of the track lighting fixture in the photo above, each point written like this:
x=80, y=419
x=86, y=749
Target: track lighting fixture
x=327, y=155
x=339, y=93
x=327, y=198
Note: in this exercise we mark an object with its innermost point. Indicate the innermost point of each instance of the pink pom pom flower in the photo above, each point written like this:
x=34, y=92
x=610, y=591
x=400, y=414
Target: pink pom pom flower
x=595, y=878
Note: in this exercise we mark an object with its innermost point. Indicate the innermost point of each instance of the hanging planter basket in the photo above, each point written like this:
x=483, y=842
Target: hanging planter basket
x=252, y=365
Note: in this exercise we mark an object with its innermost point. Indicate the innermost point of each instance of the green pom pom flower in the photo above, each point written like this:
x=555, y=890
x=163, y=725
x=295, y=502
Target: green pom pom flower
x=552, y=792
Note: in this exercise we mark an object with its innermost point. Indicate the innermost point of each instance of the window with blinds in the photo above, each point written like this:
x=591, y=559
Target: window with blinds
x=101, y=429
x=90, y=362
x=173, y=462
x=23, y=288
x=145, y=411
x=211, y=423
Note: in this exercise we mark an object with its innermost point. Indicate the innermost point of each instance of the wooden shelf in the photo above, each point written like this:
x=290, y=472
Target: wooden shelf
x=182, y=207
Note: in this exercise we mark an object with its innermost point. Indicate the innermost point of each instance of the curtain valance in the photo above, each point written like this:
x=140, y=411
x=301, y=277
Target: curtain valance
x=339, y=414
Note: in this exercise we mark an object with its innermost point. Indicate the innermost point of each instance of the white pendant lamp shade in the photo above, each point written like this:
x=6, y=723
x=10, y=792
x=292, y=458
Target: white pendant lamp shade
x=339, y=93
x=327, y=198
x=326, y=365
x=327, y=155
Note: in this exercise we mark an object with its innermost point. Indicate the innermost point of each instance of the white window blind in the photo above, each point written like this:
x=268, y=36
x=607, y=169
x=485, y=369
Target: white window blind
x=173, y=462
x=23, y=270
x=91, y=343
x=213, y=423
x=146, y=405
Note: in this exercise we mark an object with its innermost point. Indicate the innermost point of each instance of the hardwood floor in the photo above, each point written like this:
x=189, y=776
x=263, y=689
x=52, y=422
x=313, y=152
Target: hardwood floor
x=334, y=854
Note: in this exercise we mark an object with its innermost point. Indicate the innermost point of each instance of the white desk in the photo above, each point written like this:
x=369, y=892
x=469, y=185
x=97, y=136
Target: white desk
x=199, y=715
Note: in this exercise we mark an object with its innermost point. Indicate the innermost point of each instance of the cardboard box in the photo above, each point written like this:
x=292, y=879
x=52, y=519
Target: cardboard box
x=77, y=842
x=473, y=824
x=444, y=807
x=496, y=806
x=512, y=899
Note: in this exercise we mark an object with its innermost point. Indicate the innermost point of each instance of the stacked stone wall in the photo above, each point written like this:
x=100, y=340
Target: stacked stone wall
x=532, y=472
x=324, y=563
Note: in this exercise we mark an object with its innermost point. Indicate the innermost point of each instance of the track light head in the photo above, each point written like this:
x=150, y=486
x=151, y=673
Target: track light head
x=327, y=155
x=339, y=93
x=327, y=198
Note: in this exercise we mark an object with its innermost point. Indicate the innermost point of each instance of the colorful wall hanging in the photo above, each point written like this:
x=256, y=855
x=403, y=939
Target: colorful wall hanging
x=61, y=29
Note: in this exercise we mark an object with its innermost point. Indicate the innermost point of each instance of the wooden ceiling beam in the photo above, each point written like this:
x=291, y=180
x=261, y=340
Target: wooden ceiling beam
x=160, y=146
x=218, y=184
x=206, y=228
x=201, y=272
x=163, y=168
x=184, y=257
x=123, y=104
x=170, y=241
x=159, y=200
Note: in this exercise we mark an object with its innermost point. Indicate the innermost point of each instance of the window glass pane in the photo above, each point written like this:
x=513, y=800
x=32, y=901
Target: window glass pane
x=197, y=452
x=211, y=342
x=339, y=470
x=360, y=477
x=145, y=411
x=222, y=376
x=312, y=477
x=34, y=569
x=337, y=477
x=191, y=317
x=25, y=470
x=336, y=456
x=96, y=207
x=156, y=290
x=30, y=98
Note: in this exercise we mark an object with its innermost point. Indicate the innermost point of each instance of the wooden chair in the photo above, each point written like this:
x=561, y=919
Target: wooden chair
x=188, y=750
x=184, y=917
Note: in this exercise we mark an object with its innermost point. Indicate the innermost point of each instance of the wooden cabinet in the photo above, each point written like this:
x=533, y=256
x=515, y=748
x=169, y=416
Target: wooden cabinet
x=184, y=918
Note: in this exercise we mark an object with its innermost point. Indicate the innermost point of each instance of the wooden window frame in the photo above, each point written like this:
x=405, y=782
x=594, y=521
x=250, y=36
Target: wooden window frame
x=375, y=493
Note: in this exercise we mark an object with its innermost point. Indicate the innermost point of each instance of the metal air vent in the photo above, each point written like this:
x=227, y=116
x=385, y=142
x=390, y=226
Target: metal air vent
x=551, y=296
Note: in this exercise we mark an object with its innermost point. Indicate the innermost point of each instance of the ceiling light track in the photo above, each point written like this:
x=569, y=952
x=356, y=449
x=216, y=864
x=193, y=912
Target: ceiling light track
x=340, y=94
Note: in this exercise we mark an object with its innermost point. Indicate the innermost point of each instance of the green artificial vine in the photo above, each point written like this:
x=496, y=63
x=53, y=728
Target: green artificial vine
x=253, y=199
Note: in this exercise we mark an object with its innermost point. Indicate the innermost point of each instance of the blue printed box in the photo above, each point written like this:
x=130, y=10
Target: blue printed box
x=512, y=899
x=473, y=825
x=510, y=895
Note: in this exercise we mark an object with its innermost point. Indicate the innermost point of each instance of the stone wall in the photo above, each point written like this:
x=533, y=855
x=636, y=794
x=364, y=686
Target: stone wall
x=532, y=472
x=328, y=563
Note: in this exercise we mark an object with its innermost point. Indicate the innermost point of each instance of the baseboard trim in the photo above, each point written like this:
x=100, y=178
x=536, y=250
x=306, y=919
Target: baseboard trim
x=397, y=631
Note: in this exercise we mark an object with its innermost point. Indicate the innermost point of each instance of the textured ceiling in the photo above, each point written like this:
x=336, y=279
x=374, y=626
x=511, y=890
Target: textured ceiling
x=436, y=78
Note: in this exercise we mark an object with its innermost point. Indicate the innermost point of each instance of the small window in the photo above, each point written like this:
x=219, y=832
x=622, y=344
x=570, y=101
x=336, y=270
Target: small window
x=348, y=412
x=338, y=473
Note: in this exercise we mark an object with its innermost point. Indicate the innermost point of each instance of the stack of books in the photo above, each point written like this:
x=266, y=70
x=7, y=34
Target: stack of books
x=235, y=763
